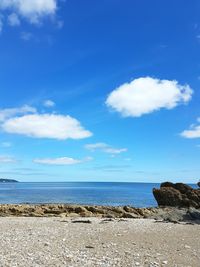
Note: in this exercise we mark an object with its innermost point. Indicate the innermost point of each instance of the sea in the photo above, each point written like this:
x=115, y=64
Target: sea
x=87, y=193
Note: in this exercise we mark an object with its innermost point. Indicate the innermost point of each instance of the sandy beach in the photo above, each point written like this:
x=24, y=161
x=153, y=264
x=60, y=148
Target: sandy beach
x=97, y=242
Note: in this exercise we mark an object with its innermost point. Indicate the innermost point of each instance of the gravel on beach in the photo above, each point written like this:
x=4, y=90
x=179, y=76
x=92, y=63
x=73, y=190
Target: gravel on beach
x=97, y=242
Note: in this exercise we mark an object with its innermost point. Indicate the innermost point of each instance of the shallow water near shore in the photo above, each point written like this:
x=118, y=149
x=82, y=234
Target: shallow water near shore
x=91, y=193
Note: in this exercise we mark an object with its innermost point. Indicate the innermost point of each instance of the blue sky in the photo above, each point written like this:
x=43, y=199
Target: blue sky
x=100, y=90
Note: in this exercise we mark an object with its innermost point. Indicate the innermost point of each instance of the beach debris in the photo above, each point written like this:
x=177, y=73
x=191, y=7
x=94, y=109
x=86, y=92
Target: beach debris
x=81, y=221
x=89, y=247
x=107, y=220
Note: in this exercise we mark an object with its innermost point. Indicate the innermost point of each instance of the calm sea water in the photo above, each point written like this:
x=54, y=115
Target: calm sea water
x=116, y=194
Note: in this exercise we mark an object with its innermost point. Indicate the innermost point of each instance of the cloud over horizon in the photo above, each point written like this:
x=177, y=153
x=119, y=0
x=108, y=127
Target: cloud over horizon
x=61, y=161
x=146, y=95
x=7, y=159
x=105, y=148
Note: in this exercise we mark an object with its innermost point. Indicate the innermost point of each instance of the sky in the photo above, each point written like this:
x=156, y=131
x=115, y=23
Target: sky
x=100, y=90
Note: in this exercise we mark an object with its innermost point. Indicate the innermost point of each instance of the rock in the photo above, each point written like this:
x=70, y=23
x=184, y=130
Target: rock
x=129, y=215
x=186, y=246
x=194, y=213
x=80, y=209
x=177, y=195
x=173, y=214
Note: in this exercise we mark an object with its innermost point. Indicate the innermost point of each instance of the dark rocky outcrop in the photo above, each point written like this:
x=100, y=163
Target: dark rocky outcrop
x=177, y=195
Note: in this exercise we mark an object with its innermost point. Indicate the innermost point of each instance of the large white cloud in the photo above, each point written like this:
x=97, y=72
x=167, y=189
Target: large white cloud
x=193, y=132
x=32, y=10
x=105, y=148
x=59, y=127
x=61, y=161
x=146, y=95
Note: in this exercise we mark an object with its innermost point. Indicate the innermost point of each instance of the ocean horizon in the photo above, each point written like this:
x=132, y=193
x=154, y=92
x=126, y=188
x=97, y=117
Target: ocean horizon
x=85, y=193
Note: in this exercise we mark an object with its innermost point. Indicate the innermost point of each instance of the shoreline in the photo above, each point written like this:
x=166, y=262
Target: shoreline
x=71, y=210
x=170, y=214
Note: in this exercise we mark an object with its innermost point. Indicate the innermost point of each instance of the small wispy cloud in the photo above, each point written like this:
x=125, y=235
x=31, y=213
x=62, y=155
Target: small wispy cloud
x=6, y=144
x=13, y=20
x=49, y=103
x=61, y=161
x=1, y=23
x=26, y=36
x=127, y=159
x=10, y=112
x=105, y=148
x=7, y=159
x=60, y=24
x=193, y=132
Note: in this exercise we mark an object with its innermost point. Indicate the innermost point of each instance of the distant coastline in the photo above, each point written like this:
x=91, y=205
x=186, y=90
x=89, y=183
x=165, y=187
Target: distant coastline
x=8, y=180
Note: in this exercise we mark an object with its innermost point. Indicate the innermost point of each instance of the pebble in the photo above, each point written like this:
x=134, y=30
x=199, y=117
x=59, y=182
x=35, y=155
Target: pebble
x=186, y=246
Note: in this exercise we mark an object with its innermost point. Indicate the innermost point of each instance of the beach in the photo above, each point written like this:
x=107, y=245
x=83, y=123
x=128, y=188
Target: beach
x=68, y=235
x=76, y=242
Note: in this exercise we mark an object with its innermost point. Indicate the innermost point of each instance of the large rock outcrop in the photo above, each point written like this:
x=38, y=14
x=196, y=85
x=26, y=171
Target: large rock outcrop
x=177, y=195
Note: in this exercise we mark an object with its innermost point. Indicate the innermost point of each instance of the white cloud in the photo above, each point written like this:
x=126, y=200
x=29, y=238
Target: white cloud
x=32, y=10
x=61, y=161
x=146, y=95
x=13, y=20
x=105, y=148
x=193, y=132
x=49, y=103
x=46, y=126
x=10, y=112
x=7, y=159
